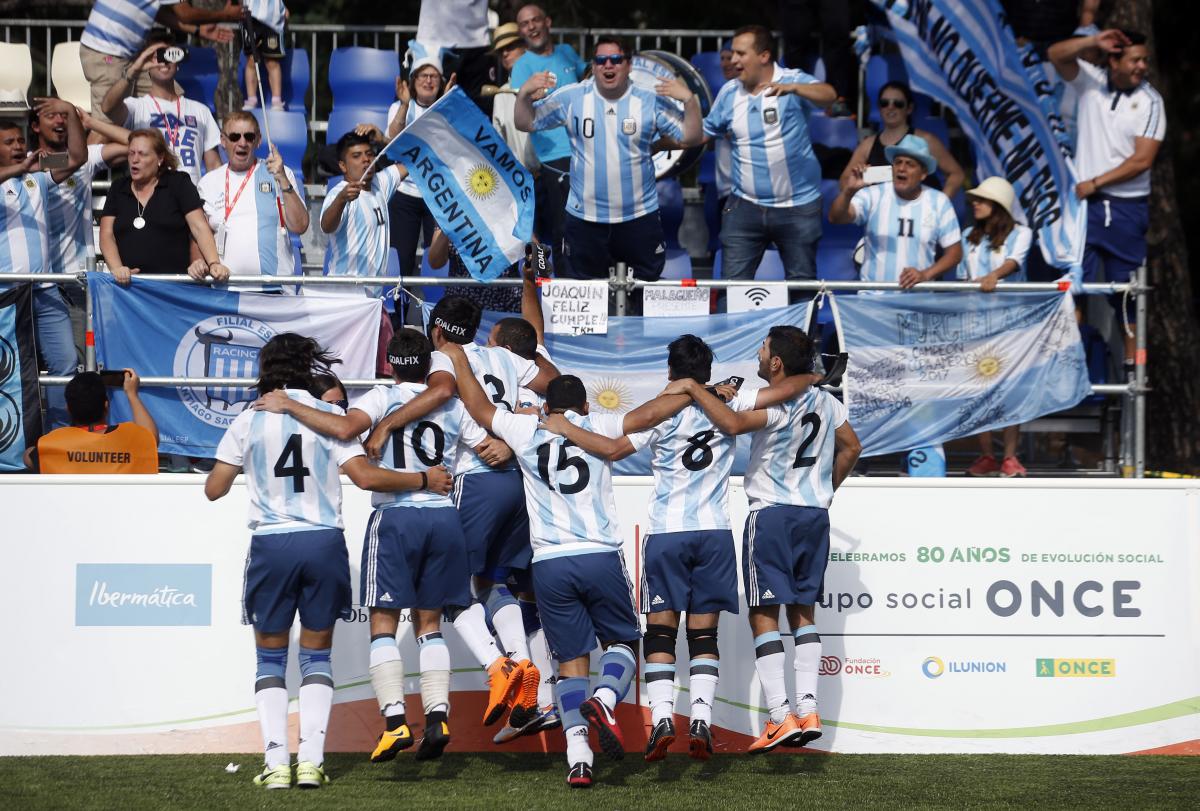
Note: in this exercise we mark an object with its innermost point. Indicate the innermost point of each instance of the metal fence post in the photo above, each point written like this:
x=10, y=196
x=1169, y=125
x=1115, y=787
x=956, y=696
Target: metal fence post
x=619, y=280
x=1139, y=376
x=89, y=335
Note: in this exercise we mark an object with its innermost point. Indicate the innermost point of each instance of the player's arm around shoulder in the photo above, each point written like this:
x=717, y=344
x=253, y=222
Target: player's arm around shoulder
x=726, y=419
x=339, y=426
x=654, y=412
x=440, y=387
x=367, y=476
x=604, y=447
x=478, y=405
x=846, y=445
x=785, y=390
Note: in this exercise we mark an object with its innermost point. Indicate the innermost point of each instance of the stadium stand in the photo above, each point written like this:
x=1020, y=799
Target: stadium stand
x=296, y=79
x=199, y=75
x=16, y=75
x=363, y=77
x=67, y=75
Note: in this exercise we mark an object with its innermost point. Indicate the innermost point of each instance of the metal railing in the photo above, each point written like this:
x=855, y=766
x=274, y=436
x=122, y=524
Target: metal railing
x=1133, y=446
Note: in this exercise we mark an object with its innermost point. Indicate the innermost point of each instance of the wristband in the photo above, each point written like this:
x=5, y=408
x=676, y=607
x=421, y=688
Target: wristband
x=424, y=480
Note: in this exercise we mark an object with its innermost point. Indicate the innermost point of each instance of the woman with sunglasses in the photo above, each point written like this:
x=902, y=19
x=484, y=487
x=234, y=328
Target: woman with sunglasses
x=895, y=110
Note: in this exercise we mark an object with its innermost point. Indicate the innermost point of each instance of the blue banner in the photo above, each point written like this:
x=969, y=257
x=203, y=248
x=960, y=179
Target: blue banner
x=20, y=399
x=926, y=368
x=962, y=53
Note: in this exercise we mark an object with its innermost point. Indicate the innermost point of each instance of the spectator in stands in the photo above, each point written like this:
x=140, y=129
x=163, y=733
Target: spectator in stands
x=1044, y=22
x=776, y=195
x=895, y=110
x=905, y=222
x=497, y=298
x=612, y=213
x=552, y=147
x=28, y=197
x=116, y=29
x=188, y=125
x=459, y=26
x=1122, y=124
x=723, y=147
x=509, y=47
x=149, y=215
x=265, y=24
x=835, y=20
x=253, y=205
x=995, y=248
x=90, y=444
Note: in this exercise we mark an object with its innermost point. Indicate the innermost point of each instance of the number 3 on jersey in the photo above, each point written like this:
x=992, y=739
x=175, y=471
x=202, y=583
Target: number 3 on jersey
x=290, y=464
x=565, y=462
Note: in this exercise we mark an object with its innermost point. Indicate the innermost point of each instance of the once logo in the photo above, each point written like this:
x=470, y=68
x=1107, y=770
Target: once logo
x=143, y=594
x=830, y=666
x=933, y=667
x=1076, y=668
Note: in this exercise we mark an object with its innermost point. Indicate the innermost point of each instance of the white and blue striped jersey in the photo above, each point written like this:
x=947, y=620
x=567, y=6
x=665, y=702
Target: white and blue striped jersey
x=267, y=12
x=773, y=162
x=292, y=472
x=527, y=397
x=442, y=437
x=791, y=458
x=691, y=460
x=723, y=166
x=980, y=260
x=902, y=233
x=359, y=246
x=249, y=241
x=119, y=27
x=187, y=126
x=568, y=493
x=612, y=166
x=501, y=373
x=24, y=243
x=69, y=216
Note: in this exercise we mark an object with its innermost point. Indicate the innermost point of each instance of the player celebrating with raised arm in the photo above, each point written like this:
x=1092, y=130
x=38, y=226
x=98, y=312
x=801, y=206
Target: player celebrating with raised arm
x=801, y=452
x=583, y=591
x=297, y=559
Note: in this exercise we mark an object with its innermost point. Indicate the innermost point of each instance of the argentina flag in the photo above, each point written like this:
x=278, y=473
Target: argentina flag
x=20, y=399
x=927, y=368
x=479, y=193
x=962, y=53
x=167, y=329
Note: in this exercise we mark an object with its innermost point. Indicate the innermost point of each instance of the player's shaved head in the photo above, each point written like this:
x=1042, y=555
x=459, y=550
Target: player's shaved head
x=517, y=335
x=566, y=393
x=689, y=357
x=793, y=347
x=409, y=352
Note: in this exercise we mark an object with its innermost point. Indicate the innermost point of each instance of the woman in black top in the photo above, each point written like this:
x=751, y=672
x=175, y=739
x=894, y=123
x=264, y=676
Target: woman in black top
x=151, y=217
x=895, y=110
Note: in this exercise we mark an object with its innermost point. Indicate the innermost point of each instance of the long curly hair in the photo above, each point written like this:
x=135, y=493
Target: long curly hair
x=291, y=361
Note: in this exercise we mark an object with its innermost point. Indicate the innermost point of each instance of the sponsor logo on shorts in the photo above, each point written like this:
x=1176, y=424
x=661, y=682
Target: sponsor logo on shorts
x=768, y=595
x=1076, y=668
x=143, y=594
x=658, y=600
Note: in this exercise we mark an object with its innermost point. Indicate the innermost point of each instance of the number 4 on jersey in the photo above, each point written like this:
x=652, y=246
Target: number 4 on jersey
x=290, y=464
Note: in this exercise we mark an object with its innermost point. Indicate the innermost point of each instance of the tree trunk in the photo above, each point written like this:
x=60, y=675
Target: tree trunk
x=1173, y=365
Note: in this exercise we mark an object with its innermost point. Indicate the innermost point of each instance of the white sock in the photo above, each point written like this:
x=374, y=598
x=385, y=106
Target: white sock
x=435, y=673
x=272, y=703
x=579, y=750
x=510, y=627
x=316, y=700
x=539, y=654
x=769, y=661
x=807, y=663
x=660, y=689
x=607, y=697
x=703, y=687
x=472, y=627
x=387, y=675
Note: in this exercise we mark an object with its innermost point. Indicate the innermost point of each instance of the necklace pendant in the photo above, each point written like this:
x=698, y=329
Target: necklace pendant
x=139, y=223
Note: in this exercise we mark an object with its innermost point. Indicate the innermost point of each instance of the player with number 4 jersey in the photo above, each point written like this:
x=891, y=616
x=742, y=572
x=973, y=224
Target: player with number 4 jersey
x=800, y=452
x=297, y=560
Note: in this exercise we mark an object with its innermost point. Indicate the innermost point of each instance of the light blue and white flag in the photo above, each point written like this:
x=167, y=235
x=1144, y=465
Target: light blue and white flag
x=479, y=193
x=165, y=329
x=927, y=368
x=962, y=53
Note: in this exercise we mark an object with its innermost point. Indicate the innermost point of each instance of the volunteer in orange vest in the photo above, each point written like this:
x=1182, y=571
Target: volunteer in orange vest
x=90, y=444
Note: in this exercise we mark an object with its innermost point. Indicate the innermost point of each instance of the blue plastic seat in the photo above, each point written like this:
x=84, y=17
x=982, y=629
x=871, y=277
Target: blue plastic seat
x=678, y=265
x=363, y=77
x=670, y=210
x=709, y=65
x=289, y=133
x=296, y=79
x=344, y=119
x=835, y=235
x=198, y=75
x=835, y=133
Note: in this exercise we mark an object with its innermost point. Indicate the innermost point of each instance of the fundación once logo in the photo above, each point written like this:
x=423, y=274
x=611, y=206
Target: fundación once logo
x=1076, y=668
x=934, y=667
x=144, y=594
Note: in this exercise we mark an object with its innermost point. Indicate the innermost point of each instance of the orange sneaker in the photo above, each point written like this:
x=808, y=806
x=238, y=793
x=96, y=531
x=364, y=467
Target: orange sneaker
x=1012, y=467
x=504, y=680
x=984, y=466
x=810, y=728
x=777, y=734
x=531, y=680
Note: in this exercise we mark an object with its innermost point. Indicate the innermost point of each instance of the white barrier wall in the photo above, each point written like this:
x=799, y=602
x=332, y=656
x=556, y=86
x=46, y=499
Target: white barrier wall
x=958, y=616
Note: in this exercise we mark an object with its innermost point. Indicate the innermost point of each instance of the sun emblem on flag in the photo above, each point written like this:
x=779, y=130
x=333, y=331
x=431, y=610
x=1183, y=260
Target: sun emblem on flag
x=988, y=364
x=610, y=394
x=482, y=181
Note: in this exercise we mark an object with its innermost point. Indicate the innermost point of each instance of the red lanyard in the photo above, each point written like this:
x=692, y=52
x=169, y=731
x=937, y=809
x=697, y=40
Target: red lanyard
x=172, y=131
x=228, y=205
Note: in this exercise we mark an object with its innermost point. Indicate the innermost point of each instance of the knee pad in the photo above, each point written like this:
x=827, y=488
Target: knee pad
x=315, y=666
x=660, y=639
x=272, y=668
x=702, y=642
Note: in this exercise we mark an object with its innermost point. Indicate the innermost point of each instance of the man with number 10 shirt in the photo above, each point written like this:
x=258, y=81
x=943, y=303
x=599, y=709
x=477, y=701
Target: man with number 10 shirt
x=801, y=452
x=297, y=559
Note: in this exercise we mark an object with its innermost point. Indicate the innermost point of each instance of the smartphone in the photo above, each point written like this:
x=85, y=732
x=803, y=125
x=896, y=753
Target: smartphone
x=114, y=378
x=54, y=160
x=172, y=53
x=877, y=174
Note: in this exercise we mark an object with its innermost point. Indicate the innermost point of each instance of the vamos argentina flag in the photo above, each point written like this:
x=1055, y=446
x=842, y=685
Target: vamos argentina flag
x=167, y=329
x=927, y=368
x=479, y=193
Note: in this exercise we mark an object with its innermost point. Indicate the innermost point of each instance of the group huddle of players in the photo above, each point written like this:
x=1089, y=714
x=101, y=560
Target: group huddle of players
x=492, y=488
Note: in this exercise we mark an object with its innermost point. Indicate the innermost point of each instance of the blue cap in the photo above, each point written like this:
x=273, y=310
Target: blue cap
x=914, y=147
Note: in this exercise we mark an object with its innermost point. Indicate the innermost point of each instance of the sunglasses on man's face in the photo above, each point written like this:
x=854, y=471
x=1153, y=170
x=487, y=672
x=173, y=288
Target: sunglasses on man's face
x=610, y=59
x=899, y=104
x=234, y=137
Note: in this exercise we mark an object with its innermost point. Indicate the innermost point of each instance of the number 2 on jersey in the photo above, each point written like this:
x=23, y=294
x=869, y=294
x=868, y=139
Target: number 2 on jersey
x=290, y=464
x=807, y=421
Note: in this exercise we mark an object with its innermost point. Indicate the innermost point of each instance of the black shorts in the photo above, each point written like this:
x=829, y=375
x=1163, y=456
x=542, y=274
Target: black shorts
x=270, y=44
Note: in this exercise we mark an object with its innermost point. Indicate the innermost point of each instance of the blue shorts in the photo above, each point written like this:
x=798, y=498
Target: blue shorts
x=583, y=599
x=1116, y=239
x=689, y=571
x=306, y=571
x=784, y=552
x=415, y=557
x=491, y=508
